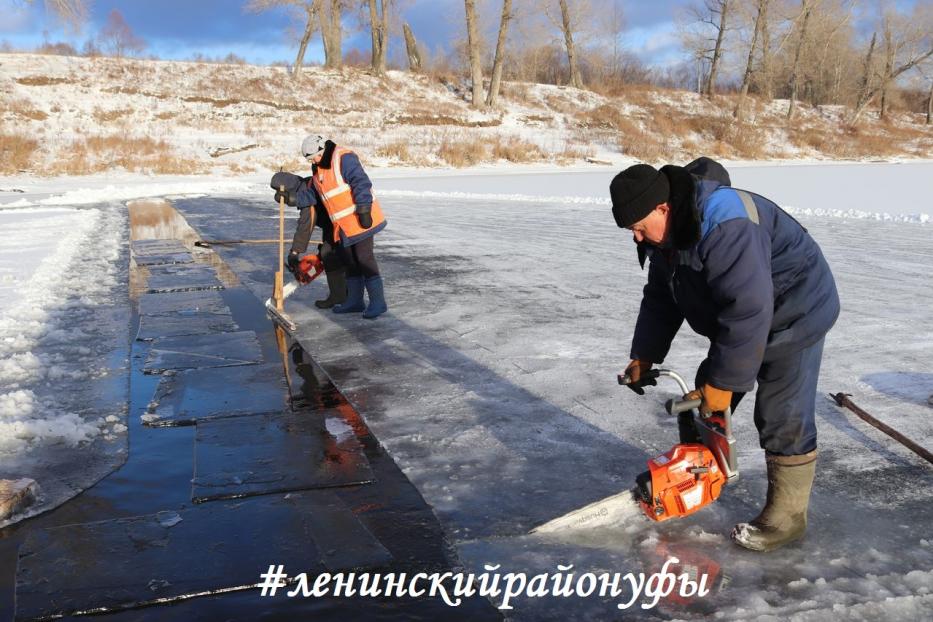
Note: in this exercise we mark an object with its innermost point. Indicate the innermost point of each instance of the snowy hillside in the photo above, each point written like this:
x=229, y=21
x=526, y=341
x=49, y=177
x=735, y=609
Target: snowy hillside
x=72, y=115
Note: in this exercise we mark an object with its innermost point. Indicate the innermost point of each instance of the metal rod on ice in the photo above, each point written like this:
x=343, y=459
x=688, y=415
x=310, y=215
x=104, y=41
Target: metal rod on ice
x=842, y=399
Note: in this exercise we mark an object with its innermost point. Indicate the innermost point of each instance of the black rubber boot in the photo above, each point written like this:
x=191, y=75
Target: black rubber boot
x=337, y=284
x=784, y=517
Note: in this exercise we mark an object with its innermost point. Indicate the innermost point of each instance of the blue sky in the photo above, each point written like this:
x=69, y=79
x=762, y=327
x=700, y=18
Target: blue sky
x=176, y=29
x=179, y=29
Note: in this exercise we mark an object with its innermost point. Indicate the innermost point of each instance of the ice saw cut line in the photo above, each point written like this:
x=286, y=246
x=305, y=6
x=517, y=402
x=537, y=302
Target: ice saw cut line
x=678, y=483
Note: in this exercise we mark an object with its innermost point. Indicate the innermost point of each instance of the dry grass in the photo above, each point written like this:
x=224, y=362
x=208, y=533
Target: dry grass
x=24, y=108
x=561, y=104
x=441, y=119
x=294, y=165
x=16, y=152
x=396, y=150
x=241, y=169
x=460, y=153
x=99, y=153
x=724, y=136
x=860, y=141
x=571, y=154
x=42, y=81
x=606, y=116
x=517, y=91
x=663, y=121
x=109, y=116
x=641, y=95
x=536, y=119
x=515, y=149
x=642, y=146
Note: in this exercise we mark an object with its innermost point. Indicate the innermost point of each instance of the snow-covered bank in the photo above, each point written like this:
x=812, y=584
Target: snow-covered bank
x=102, y=114
x=63, y=335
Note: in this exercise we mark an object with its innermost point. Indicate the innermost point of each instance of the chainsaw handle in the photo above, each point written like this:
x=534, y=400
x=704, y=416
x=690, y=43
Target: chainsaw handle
x=674, y=407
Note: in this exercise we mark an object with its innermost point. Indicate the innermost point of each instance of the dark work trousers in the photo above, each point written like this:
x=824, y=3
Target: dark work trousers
x=359, y=258
x=330, y=257
x=785, y=401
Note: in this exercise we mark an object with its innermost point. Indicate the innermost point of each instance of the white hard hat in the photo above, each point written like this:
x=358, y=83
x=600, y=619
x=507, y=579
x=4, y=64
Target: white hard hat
x=312, y=145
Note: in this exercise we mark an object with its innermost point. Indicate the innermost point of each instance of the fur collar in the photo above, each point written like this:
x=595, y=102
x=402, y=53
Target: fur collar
x=685, y=221
x=327, y=158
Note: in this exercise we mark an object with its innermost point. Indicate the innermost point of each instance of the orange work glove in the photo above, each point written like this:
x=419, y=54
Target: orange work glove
x=713, y=400
x=631, y=377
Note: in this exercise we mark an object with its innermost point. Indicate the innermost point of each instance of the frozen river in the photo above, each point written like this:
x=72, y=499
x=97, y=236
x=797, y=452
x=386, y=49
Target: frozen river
x=492, y=380
x=492, y=384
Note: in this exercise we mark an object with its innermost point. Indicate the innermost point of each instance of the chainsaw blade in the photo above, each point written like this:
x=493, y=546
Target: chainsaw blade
x=616, y=509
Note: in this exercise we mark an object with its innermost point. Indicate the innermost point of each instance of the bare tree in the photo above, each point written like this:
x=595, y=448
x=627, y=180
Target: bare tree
x=833, y=58
x=309, y=9
x=930, y=105
x=766, y=79
x=712, y=16
x=567, y=26
x=473, y=44
x=908, y=44
x=411, y=48
x=117, y=36
x=806, y=7
x=615, y=25
x=493, y=96
x=379, y=30
x=72, y=12
x=329, y=16
x=761, y=11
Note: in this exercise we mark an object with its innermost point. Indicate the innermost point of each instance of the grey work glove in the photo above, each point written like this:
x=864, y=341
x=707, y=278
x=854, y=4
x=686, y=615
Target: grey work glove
x=290, y=181
x=290, y=198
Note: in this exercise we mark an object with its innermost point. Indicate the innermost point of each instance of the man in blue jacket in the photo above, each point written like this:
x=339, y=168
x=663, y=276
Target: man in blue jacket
x=746, y=275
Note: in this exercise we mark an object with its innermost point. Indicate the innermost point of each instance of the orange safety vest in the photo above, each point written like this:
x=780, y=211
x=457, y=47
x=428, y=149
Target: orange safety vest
x=337, y=196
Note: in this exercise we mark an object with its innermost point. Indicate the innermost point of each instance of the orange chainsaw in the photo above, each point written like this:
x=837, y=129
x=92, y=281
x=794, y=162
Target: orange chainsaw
x=309, y=268
x=677, y=483
x=691, y=475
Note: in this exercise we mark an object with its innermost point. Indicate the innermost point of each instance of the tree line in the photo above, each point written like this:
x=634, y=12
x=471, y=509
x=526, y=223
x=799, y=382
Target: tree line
x=856, y=53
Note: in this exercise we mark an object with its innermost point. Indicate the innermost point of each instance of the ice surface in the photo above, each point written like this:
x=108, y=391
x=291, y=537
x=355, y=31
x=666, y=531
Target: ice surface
x=808, y=194
x=183, y=313
x=344, y=542
x=491, y=381
x=182, y=302
x=202, y=351
x=64, y=323
x=155, y=326
x=288, y=451
x=158, y=251
x=180, y=278
x=156, y=247
x=185, y=397
x=169, y=558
